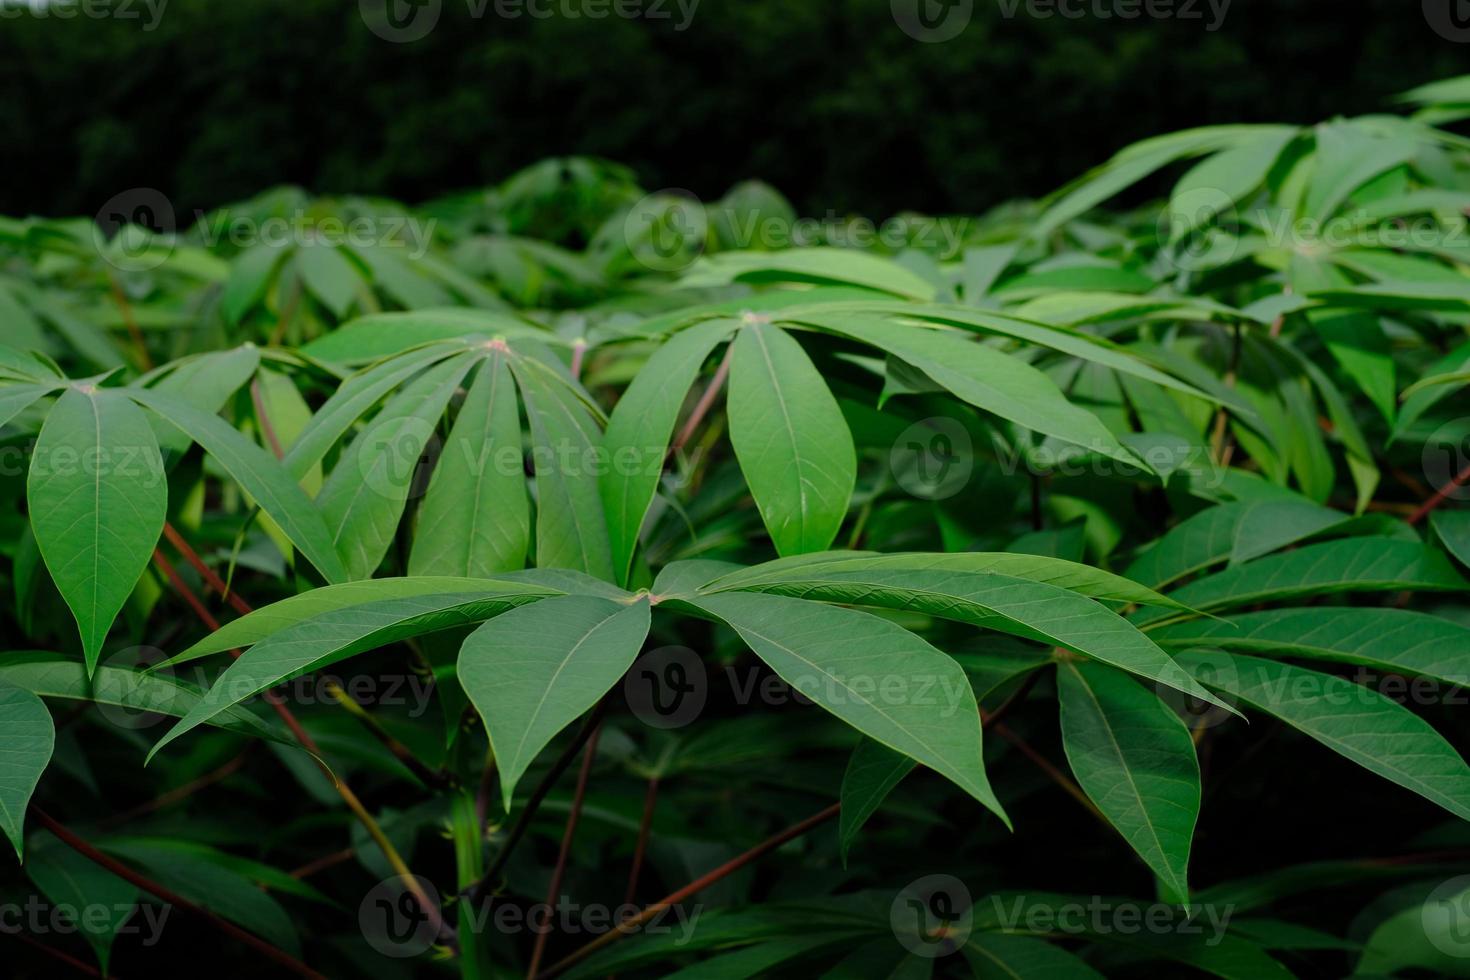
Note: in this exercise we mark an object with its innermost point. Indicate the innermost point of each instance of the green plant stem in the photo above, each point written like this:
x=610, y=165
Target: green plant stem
x=163, y=894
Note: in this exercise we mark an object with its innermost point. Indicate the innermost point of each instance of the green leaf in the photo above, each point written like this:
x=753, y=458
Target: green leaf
x=191, y=871
x=793, y=444
x=1348, y=565
x=330, y=277
x=354, y=397
x=1074, y=576
x=1001, y=956
x=368, y=338
x=1235, y=532
x=28, y=736
x=1396, y=640
x=266, y=621
x=98, y=497
x=1223, y=179
x=821, y=265
x=1453, y=529
x=1032, y=610
x=874, y=675
x=1135, y=759
x=134, y=692
x=15, y=399
x=334, y=636
x=872, y=773
x=261, y=476
x=475, y=519
x=1354, y=721
x=1348, y=156
x=988, y=379
x=533, y=671
x=640, y=430
x=250, y=276
x=72, y=881
x=571, y=531
x=365, y=494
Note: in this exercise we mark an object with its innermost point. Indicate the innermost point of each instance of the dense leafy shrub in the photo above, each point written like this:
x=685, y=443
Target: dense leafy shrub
x=1055, y=592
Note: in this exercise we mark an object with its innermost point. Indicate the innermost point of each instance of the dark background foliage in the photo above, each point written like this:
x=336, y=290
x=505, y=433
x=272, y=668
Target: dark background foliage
x=829, y=101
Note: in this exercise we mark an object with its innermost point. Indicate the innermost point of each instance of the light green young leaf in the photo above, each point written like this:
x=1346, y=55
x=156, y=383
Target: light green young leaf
x=876, y=676
x=1135, y=759
x=28, y=737
x=1354, y=721
x=98, y=497
x=793, y=444
x=533, y=671
x=475, y=519
x=640, y=428
x=259, y=473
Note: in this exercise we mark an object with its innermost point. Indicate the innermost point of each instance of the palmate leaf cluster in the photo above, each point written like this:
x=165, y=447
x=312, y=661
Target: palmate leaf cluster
x=955, y=531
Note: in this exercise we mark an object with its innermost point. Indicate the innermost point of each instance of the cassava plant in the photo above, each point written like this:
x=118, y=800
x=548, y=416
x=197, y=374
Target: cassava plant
x=601, y=587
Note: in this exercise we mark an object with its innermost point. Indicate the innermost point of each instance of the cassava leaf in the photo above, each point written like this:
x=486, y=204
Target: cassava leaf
x=531, y=672
x=97, y=496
